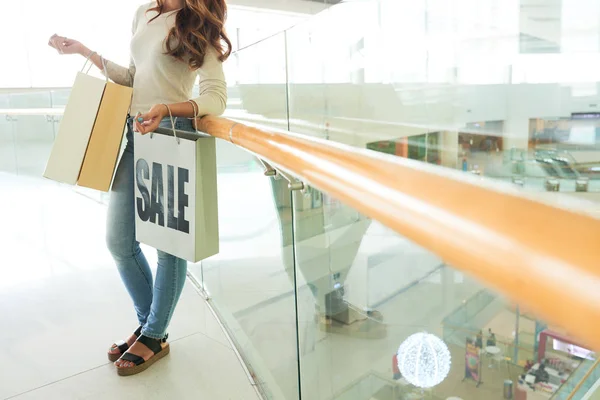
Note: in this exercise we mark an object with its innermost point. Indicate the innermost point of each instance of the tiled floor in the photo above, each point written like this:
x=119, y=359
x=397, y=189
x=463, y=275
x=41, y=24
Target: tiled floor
x=63, y=303
x=60, y=328
x=62, y=306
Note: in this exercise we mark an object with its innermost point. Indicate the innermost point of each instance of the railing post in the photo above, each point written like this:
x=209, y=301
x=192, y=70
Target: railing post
x=516, y=352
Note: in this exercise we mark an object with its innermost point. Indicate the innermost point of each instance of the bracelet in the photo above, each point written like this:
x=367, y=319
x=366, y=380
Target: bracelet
x=195, y=107
x=231, y=132
x=86, y=61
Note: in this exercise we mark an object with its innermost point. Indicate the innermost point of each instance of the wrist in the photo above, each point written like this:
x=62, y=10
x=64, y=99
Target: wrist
x=84, y=51
x=164, y=110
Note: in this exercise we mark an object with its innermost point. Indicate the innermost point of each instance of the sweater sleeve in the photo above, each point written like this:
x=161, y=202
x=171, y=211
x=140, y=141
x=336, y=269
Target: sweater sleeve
x=212, y=99
x=119, y=74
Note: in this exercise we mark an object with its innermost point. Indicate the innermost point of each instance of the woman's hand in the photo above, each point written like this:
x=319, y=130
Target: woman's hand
x=65, y=46
x=148, y=122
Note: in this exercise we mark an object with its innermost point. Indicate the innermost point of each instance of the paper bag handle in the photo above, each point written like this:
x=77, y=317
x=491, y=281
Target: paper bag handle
x=195, y=106
x=173, y=123
x=90, y=67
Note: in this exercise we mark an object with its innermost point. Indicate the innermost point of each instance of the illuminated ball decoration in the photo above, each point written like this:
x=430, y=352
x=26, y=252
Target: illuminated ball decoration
x=424, y=360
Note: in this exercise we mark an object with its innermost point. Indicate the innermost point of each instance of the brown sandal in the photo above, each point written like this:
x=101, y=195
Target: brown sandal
x=122, y=346
x=159, y=347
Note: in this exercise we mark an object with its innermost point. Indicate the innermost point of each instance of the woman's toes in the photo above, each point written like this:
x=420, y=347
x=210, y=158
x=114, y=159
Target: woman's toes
x=123, y=364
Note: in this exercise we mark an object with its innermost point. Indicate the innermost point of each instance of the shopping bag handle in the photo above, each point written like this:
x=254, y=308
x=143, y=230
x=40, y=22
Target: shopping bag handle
x=195, y=106
x=172, y=124
x=91, y=64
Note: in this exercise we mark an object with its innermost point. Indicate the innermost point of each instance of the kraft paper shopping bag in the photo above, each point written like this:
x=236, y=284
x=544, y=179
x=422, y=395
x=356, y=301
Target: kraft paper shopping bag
x=176, y=194
x=105, y=142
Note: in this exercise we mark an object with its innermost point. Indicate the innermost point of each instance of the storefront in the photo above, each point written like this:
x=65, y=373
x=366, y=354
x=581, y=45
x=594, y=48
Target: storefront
x=425, y=147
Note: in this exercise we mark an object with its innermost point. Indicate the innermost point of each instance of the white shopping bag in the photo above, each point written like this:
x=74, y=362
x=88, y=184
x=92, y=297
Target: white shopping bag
x=176, y=194
x=75, y=129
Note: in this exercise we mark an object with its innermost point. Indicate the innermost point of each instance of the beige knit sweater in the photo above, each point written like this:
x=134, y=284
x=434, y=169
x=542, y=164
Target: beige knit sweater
x=160, y=78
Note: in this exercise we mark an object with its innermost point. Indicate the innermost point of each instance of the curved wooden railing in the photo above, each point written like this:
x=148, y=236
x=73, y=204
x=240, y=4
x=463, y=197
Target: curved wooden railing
x=540, y=255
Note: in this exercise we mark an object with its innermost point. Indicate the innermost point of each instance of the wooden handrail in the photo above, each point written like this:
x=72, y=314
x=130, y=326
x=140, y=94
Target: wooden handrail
x=540, y=255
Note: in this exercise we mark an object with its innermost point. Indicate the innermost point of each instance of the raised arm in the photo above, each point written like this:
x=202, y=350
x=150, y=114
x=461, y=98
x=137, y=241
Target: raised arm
x=117, y=73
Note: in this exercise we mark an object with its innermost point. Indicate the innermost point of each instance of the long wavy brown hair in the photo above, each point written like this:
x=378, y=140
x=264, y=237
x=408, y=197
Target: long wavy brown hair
x=198, y=25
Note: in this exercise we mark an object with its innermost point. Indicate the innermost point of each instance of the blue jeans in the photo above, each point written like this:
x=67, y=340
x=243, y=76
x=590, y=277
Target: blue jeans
x=154, y=302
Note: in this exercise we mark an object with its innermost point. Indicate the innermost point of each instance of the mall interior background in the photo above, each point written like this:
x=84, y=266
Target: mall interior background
x=317, y=297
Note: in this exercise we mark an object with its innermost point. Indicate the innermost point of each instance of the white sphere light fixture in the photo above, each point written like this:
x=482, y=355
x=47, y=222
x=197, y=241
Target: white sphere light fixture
x=424, y=360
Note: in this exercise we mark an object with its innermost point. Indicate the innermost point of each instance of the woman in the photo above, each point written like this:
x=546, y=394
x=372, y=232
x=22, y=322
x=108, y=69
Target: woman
x=173, y=42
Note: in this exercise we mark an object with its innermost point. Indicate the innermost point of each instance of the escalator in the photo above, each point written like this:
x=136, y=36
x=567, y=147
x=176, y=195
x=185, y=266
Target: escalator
x=587, y=374
x=547, y=164
x=557, y=164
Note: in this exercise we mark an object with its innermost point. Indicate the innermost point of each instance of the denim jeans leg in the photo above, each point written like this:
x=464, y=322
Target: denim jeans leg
x=120, y=236
x=168, y=285
x=170, y=275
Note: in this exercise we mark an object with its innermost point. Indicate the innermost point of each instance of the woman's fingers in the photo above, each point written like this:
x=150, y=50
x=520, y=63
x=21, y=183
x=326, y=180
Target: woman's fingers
x=52, y=42
x=146, y=126
x=61, y=43
x=136, y=123
x=139, y=126
x=147, y=122
x=56, y=44
x=151, y=126
x=149, y=116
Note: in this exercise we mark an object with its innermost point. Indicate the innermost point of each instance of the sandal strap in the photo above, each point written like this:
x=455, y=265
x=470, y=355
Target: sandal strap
x=122, y=346
x=137, y=360
x=152, y=344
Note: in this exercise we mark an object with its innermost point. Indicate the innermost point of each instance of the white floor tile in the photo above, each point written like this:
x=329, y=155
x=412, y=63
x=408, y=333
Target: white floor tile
x=195, y=369
x=62, y=304
x=213, y=329
x=62, y=326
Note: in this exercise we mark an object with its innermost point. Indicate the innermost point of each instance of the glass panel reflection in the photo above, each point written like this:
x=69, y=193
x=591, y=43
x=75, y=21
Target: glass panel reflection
x=505, y=89
x=8, y=153
x=363, y=291
x=34, y=134
x=250, y=282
